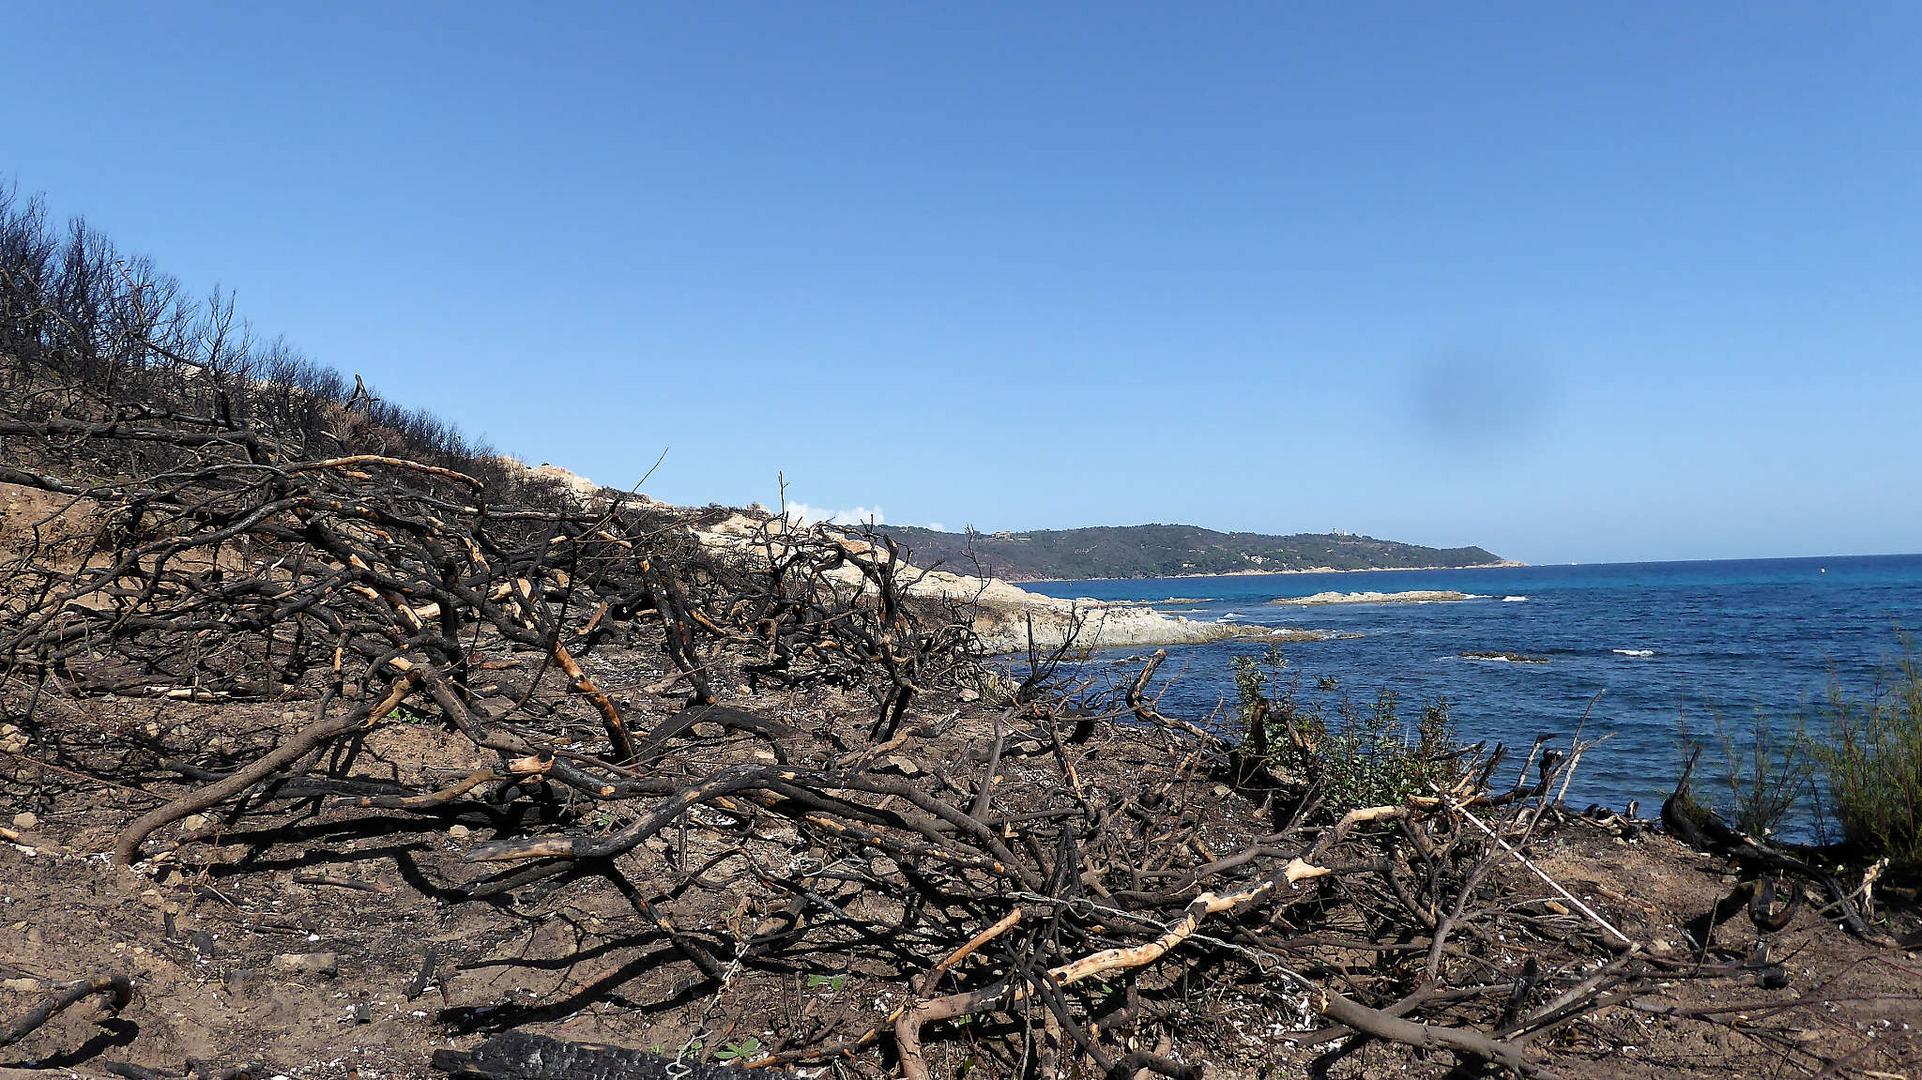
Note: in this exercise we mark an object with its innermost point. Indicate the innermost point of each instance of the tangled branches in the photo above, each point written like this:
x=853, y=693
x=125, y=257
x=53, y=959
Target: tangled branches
x=780, y=757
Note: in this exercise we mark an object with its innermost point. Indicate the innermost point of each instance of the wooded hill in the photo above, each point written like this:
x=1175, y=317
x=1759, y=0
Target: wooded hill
x=1130, y=551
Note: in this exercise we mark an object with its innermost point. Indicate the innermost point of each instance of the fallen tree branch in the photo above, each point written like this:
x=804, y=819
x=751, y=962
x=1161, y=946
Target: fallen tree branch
x=117, y=988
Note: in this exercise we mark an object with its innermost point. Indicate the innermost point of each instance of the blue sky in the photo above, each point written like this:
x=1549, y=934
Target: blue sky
x=1576, y=283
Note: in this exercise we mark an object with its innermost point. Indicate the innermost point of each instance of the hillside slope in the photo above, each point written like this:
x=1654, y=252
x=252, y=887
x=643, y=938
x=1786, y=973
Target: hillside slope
x=1125, y=551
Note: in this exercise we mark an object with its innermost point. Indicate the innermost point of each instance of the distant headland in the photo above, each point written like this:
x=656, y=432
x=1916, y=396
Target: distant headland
x=1143, y=551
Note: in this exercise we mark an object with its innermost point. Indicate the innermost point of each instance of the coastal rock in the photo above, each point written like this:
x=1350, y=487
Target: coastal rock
x=1505, y=657
x=1415, y=596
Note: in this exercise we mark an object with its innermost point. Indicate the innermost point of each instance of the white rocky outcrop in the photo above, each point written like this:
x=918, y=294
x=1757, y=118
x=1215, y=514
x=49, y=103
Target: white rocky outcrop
x=1415, y=596
x=1002, y=612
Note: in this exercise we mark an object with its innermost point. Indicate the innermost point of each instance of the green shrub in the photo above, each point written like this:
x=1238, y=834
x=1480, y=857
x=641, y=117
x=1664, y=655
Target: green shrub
x=1870, y=762
x=1767, y=774
x=1360, y=756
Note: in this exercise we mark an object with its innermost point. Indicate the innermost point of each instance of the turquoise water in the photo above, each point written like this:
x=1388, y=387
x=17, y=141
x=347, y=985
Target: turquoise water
x=1661, y=643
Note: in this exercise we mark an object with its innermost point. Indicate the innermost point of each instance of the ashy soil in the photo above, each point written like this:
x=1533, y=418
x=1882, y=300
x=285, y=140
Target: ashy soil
x=331, y=941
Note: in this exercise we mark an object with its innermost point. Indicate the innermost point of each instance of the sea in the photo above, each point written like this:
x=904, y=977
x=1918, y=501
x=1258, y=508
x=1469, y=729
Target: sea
x=1643, y=652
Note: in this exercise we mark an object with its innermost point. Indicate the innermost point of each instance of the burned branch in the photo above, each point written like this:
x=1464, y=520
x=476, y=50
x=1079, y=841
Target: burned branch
x=775, y=757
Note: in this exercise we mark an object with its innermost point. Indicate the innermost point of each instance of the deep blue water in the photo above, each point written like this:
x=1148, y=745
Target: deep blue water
x=1731, y=637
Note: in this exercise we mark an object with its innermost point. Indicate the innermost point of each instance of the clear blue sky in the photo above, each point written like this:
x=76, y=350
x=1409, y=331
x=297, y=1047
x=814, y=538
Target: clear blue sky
x=1573, y=282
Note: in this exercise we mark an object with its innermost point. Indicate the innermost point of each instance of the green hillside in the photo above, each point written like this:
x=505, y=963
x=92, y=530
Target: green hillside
x=1126, y=551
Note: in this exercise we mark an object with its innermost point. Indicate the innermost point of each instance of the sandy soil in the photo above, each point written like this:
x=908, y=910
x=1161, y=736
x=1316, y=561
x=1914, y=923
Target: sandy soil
x=339, y=945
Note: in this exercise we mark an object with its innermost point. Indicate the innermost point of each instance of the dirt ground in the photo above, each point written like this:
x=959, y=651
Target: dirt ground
x=338, y=941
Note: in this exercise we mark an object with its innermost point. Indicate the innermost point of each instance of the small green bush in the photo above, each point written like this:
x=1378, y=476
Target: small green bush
x=1767, y=774
x=1361, y=755
x=1870, y=762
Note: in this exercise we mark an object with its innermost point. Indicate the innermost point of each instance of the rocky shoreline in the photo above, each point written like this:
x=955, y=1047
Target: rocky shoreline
x=1003, y=627
x=1005, y=615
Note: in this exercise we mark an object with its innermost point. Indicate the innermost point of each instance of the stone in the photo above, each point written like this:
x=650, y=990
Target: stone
x=25, y=820
x=459, y=832
x=315, y=963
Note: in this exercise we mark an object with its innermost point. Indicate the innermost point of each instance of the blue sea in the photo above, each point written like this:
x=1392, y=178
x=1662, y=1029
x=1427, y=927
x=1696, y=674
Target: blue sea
x=1641, y=648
